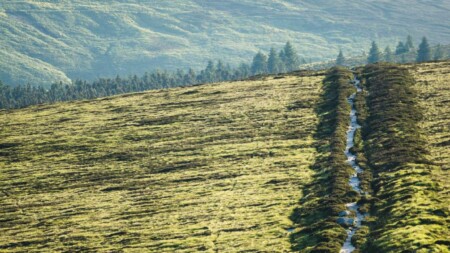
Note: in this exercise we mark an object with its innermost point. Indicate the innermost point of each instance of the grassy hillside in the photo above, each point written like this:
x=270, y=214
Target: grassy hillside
x=216, y=168
x=248, y=166
x=408, y=212
x=434, y=99
x=327, y=195
x=43, y=41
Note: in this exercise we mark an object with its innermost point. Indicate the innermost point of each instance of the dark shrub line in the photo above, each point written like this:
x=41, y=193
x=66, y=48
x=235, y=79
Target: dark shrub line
x=407, y=215
x=326, y=196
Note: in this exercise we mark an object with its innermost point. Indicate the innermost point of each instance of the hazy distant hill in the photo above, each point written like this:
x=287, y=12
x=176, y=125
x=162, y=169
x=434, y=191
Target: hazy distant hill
x=44, y=41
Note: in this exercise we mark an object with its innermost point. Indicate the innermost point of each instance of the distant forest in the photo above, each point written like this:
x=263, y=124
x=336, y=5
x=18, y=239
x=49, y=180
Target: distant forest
x=405, y=52
x=284, y=60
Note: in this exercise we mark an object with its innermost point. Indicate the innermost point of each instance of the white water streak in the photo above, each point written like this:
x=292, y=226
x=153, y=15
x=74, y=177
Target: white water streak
x=354, y=180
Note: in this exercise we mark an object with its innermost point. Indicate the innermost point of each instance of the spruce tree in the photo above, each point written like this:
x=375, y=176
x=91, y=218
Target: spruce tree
x=388, y=56
x=190, y=77
x=274, y=62
x=439, y=53
x=401, y=49
x=282, y=57
x=292, y=61
x=244, y=70
x=210, y=72
x=340, y=60
x=259, y=64
x=374, y=54
x=424, y=52
x=409, y=46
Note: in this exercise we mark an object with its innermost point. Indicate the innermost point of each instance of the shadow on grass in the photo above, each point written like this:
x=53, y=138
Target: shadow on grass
x=325, y=197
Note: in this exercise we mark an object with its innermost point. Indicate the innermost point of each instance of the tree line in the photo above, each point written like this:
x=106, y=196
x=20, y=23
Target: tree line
x=276, y=61
x=21, y=96
x=26, y=95
x=403, y=53
x=285, y=60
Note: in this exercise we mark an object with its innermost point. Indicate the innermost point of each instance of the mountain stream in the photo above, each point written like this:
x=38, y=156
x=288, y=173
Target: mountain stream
x=352, y=208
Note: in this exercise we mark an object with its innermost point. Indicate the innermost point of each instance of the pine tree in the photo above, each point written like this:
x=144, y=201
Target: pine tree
x=259, y=64
x=401, y=49
x=439, y=53
x=374, y=54
x=282, y=57
x=210, y=72
x=244, y=70
x=388, y=55
x=190, y=77
x=340, y=60
x=409, y=46
x=221, y=71
x=424, y=52
x=291, y=60
x=274, y=62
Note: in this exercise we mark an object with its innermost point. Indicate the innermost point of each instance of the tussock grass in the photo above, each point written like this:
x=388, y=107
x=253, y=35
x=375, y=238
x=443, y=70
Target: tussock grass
x=326, y=195
x=220, y=167
x=409, y=214
x=433, y=99
x=214, y=168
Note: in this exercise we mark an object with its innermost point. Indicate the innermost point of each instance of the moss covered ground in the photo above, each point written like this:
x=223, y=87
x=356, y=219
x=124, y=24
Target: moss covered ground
x=409, y=209
x=433, y=88
x=327, y=195
x=247, y=166
x=214, y=168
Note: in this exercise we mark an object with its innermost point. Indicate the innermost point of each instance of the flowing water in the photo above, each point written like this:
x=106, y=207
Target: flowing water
x=354, y=180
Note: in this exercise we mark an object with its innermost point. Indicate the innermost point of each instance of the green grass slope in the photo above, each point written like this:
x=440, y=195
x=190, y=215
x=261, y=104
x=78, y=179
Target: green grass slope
x=434, y=99
x=327, y=195
x=247, y=166
x=86, y=39
x=409, y=211
x=214, y=168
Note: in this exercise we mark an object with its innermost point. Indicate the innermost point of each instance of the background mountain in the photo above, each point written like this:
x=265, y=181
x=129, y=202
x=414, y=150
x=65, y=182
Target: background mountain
x=46, y=41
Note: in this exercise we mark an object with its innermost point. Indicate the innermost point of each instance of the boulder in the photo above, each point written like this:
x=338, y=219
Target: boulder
x=344, y=213
x=346, y=222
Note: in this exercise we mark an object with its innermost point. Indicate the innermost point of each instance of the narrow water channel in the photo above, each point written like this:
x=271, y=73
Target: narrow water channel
x=352, y=217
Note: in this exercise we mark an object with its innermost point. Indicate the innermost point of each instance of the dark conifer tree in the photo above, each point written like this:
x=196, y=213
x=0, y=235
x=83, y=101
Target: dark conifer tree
x=190, y=77
x=210, y=72
x=388, y=55
x=244, y=70
x=282, y=57
x=259, y=64
x=424, y=52
x=374, y=54
x=401, y=49
x=291, y=60
x=439, y=53
x=274, y=64
x=340, y=60
x=409, y=45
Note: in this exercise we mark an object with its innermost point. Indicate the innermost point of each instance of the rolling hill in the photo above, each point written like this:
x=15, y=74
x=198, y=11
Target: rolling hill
x=247, y=166
x=47, y=41
x=214, y=168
